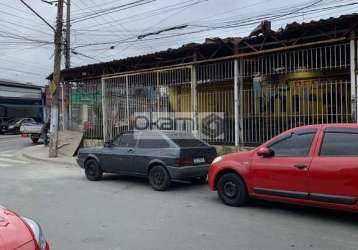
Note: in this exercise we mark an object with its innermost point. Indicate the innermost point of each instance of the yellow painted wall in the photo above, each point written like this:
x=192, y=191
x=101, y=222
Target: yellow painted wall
x=313, y=94
x=215, y=97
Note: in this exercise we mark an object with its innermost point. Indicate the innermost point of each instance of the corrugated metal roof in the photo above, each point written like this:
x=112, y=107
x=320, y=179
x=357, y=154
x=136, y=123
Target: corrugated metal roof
x=305, y=32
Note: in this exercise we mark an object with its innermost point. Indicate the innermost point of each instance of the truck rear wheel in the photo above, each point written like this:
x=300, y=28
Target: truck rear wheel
x=35, y=140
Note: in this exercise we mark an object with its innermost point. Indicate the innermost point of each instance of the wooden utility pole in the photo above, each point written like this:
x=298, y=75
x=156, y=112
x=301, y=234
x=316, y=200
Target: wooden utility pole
x=67, y=54
x=54, y=86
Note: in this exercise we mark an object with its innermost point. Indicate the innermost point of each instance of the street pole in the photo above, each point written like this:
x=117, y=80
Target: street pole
x=54, y=86
x=68, y=36
x=67, y=52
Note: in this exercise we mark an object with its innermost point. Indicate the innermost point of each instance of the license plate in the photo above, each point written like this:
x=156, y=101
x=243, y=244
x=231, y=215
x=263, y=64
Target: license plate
x=199, y=160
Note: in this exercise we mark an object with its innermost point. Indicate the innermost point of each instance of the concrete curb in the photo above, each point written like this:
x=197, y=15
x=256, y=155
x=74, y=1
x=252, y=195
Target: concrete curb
x=31, y=155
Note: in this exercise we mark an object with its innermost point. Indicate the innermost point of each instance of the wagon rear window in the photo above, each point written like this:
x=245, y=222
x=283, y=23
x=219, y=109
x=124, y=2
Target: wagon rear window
x=189, y=143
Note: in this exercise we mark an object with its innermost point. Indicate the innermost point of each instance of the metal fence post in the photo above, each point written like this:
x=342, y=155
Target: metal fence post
x=241, y=103
x=104, y=110
x=236, y=103
x=127, y=101
x=353, y=60
x=194, y=104
x=158, y=92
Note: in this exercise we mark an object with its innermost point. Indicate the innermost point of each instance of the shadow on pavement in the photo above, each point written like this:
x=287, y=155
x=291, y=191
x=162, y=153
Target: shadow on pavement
x=175, y=185
x=314, y=213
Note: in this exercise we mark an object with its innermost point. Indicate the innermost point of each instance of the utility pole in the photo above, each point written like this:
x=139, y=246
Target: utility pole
x=67, y=54
x=56, y=81
x=68, y=36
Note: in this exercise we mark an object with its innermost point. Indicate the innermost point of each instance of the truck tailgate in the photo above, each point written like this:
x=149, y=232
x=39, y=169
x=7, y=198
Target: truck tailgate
x=31, y=128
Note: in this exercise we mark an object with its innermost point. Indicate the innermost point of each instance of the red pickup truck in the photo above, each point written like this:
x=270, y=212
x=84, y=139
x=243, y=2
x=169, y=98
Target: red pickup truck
x=313, y=165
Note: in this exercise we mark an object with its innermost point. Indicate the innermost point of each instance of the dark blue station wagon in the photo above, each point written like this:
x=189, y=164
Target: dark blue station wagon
x=162, y=156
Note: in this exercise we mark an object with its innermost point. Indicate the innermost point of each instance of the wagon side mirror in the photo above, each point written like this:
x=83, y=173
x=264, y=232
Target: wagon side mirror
x=265, y=152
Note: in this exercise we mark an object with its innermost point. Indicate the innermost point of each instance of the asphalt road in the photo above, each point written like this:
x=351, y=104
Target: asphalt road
x=125, y=213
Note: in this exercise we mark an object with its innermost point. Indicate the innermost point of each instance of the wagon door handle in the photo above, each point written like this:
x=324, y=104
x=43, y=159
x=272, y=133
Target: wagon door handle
x=130, y=150
x=300, y=166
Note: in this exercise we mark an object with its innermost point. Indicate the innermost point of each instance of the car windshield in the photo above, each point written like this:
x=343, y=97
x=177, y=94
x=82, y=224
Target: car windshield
x=11, y=122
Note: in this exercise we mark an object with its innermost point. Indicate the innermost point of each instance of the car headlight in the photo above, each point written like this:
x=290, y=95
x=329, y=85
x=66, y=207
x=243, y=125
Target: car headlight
x=11, y=127
x=217, y=159
x=37, y=231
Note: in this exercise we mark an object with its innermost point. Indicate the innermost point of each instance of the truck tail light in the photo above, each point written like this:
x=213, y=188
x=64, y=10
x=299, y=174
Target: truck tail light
x=209, y=159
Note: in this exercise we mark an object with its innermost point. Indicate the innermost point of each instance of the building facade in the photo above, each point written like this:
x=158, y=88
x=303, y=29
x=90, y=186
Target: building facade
x=19, y=100
x=250, y=88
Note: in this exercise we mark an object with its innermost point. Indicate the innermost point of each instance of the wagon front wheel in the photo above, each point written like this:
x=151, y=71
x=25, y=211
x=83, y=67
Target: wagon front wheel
x=93, y=171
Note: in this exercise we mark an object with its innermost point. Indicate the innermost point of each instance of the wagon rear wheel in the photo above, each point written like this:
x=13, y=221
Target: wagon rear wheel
x=159, y=178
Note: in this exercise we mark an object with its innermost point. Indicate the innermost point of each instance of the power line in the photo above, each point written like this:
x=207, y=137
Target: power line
x=22, y=71
x=38, y=15
x=18, y=10
x=115, y=9
x=22, y=38
x=21, y=25
x=241, y=23
x=146, y=14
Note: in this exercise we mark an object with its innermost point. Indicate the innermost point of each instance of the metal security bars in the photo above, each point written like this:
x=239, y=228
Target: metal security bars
x=272, y=110
x=214, y=72
x=85, y=108
x=274, y=92
x=217, y=103
x=146, y=92
x=330, y=57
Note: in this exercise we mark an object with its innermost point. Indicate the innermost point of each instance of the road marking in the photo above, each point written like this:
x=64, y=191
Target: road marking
x=7, y=151
x=9, y=137
x=12, y=160
x=7, y=155
x=4, y=165
x=1, y=141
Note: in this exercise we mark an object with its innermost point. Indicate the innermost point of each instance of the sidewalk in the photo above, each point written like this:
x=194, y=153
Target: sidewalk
x=40, y=153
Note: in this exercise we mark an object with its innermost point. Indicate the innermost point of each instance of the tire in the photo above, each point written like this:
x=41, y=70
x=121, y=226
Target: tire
x=93, y=171
x=159, y=178
x=35, y=140
x=232, y=190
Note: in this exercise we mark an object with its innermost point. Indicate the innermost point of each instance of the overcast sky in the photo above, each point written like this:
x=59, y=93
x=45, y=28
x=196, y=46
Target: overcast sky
x=26, y=52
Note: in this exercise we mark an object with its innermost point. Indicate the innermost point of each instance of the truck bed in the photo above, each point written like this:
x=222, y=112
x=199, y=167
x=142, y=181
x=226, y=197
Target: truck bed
x=31, y=128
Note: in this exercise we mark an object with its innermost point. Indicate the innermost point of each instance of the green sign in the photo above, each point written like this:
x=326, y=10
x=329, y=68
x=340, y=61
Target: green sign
x=84, y=97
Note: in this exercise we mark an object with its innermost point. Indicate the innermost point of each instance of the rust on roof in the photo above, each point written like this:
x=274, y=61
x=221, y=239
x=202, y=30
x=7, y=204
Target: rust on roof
x=293, y=33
